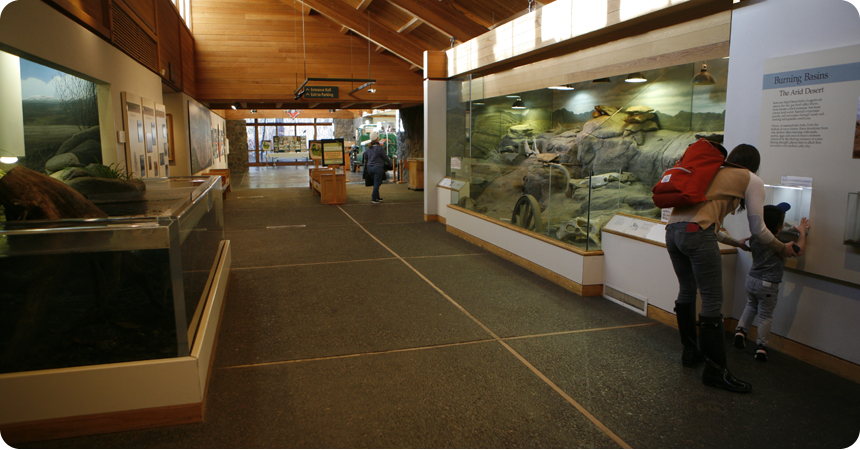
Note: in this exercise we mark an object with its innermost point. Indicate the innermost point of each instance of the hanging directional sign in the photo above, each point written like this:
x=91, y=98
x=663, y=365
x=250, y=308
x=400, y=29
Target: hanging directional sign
x=320, y=91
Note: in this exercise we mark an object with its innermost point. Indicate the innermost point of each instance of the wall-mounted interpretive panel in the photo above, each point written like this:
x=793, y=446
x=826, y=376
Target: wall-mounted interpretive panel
x=808, y=122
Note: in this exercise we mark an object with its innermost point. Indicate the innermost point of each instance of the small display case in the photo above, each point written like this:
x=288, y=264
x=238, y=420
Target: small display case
x=80, y=292
x=852, y=220
x=800, y=199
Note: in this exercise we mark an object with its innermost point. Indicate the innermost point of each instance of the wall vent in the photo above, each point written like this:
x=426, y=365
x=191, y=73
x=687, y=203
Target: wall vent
x=639, y=304
x=130, y=38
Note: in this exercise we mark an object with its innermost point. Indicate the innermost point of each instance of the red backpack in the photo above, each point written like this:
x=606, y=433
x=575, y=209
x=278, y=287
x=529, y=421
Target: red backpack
x=686, y=182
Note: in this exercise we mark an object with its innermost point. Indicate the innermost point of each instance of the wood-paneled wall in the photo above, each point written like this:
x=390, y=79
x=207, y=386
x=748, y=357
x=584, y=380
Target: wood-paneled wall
x=149, y=31
x=264, y=53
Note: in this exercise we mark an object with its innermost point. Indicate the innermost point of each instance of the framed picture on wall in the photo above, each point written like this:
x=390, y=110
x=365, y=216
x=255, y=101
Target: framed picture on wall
x=170, y=152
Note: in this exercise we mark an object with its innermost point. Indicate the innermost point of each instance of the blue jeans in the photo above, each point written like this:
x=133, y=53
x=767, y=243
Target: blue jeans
x=698, y=265
x=761, y=300
x=378, y=173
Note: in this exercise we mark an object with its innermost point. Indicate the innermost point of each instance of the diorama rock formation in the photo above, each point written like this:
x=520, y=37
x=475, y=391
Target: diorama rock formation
x=613, y=157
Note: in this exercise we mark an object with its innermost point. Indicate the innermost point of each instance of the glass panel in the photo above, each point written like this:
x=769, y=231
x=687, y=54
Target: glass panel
x=269, y=120
x=252, y=142
x=302, y=120
x=305, y=130
x=286, y=130
x=249, y=120
x=325, y=132
x=567, y=160
x=329, y=120
x=60, y=112
x=265, y=133
x=119, y=290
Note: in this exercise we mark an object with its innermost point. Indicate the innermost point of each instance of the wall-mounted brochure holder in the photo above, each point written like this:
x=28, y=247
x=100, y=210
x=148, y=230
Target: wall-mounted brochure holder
x=852, y=220
x=459, y=188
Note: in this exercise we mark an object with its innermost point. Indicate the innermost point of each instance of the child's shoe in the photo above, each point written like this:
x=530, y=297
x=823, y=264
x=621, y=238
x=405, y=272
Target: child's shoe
x=761, y=353
x=740, y=339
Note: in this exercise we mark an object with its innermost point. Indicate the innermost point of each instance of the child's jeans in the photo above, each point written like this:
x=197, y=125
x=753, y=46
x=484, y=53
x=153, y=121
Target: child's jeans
x=761, y=299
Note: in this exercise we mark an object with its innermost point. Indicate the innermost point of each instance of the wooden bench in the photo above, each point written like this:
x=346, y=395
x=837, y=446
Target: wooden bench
x=225, y=179
x=329, y=185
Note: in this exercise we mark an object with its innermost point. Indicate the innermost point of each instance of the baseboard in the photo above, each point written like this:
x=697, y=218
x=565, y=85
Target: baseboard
x=579, y=289
x=433, y=218
x=815, y=357
x=65, y=427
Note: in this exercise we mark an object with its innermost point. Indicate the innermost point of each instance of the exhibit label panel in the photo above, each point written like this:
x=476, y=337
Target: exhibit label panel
x=810, y=101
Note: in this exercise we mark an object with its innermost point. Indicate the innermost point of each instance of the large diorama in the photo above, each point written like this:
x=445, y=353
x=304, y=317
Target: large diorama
x=561, y=161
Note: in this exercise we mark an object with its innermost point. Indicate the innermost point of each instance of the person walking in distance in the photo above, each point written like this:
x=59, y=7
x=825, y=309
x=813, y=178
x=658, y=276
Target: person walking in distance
x=376, y=158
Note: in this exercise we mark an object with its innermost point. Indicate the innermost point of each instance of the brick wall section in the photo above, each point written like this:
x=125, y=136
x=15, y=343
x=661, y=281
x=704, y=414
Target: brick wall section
x=238, y=158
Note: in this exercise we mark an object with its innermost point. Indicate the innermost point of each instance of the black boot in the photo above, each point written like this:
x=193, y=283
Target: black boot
x=685, y=313
x=716, y=373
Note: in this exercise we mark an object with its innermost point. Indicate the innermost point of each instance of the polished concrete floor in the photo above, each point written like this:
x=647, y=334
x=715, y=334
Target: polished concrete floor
x=361, y=326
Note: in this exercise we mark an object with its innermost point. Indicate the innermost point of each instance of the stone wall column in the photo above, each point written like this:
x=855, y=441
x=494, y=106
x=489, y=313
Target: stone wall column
x=237, y=160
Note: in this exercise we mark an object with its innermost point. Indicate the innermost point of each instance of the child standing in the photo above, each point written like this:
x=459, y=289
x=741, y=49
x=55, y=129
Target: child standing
x=763, y=281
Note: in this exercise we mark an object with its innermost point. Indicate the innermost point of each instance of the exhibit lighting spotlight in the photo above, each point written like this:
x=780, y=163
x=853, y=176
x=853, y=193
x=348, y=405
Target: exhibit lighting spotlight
x=236, y=105
x=253, y=111
x=513, y=96
x=703, y=78
x=562, y=87
x=518, y=104
x=371, y=91
x=602, y=80
x=635, y=77
x=8, y=159
x=478, y=103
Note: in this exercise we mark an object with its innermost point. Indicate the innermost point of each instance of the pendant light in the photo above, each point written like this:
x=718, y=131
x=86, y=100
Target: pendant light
x=703, y=78
x=518, y=104
x=562, y=87
x=635, y=77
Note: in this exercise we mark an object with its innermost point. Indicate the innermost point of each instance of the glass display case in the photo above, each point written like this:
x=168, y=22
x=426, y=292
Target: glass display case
x=130, y=287
x=562, y=160
x=852, y=220
x=800, y=200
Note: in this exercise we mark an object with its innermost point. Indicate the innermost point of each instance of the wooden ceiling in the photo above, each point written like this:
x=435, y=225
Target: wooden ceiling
x=257, y=53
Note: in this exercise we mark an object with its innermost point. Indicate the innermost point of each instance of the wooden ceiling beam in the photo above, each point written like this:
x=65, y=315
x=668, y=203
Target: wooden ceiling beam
x=379, y=49
x=410, y=26
x=344, y=30
x=373, y=31
x=442, y=17
x=306, y=10
x=363, y=5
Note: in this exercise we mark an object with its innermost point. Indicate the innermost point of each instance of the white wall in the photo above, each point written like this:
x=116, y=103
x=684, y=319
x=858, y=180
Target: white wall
x=435, y=151
x=813, y=310
x=33, y=30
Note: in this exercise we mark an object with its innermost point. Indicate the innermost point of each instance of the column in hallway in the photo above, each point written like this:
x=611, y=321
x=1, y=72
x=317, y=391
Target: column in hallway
x=435, y=81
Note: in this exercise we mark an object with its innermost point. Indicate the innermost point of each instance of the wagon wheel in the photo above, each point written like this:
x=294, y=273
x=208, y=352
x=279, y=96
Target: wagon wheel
x=527, y=214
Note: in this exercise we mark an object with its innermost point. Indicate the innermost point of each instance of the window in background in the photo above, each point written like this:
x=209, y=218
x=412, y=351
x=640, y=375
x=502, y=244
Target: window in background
x=325, y=132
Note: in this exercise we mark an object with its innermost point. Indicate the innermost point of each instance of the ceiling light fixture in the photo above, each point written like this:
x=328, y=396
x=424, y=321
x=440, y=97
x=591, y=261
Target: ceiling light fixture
x=371, y=91
x=8, y=159
x=236, y=105
x=635, y=77
x=518, y=104
x=513, y=96
x=478, y=103
x=562, y=87
x=253, y=111
x=703, y=78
